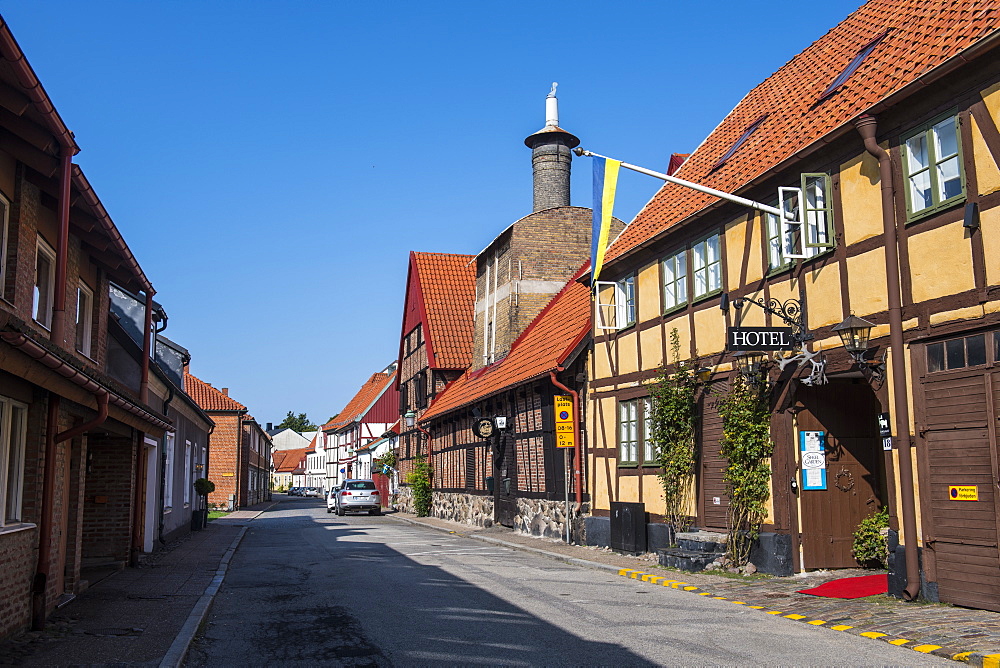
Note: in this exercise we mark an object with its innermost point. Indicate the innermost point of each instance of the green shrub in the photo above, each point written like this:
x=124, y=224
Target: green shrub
x=204, y=486
x=420, y=485
x=870, y=548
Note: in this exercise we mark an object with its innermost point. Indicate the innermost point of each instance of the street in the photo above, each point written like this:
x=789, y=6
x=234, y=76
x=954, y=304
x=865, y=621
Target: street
x=306, y=587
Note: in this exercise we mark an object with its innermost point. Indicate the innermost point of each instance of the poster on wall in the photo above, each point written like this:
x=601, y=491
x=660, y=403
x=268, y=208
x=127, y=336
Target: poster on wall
x=812, y=447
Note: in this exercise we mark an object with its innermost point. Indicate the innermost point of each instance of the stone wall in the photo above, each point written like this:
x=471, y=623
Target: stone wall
x=471, y=509
x=540, y=517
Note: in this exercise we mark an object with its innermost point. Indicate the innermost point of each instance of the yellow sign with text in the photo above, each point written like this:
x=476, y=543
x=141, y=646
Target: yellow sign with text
x=963, y=492
x=565, y=434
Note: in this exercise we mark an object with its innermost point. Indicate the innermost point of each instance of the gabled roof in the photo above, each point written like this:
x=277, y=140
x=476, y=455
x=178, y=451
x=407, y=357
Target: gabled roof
x=443, y=287
x=290, y=459
x=209, y=398
x=360, y=404
x=547, y=342
x=922, y=34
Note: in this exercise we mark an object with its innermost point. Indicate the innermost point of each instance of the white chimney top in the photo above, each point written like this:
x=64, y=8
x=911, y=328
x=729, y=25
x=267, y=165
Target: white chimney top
x=552, y=108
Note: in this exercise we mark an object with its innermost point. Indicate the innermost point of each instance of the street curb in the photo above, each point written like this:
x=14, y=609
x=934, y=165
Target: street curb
x=182, y=643
x=976, y=659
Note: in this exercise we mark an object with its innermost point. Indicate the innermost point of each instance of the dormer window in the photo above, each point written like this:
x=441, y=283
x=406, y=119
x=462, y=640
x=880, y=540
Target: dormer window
x=739, y=142
x=852, y=66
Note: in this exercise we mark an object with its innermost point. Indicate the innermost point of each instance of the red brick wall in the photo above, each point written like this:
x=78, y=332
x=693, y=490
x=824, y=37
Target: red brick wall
x=107, y=523
x=18, y=552
x=223, y=448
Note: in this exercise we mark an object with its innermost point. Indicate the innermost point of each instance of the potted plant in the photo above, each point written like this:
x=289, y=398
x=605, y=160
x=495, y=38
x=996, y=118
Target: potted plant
x=199, y=518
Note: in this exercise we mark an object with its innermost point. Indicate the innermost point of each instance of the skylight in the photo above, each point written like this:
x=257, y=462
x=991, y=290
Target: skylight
x=851, y=66
x=739, y=142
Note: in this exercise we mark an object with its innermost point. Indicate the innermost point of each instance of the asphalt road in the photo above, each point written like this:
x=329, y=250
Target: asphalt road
x=310, y=588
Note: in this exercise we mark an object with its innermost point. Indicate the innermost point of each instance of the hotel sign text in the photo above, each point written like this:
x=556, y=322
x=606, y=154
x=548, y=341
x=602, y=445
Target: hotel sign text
x=759, y=338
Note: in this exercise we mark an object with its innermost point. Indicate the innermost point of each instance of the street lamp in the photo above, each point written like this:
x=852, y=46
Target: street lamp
x=752, y=365
x=854, y=332
x=411, y=418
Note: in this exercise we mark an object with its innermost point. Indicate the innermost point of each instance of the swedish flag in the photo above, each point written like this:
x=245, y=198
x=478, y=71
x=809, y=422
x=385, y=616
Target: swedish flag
x=605, y=182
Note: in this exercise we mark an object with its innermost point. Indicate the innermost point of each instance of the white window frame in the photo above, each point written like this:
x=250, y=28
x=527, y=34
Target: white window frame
x=707, y=267
x=168, y=474
x=43, y=248
x=187, y=473
x=620, y=312
x=4, y=229
x=84, y=319
x=13, y=435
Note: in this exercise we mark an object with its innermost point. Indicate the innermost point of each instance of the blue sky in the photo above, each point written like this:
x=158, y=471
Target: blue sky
x=271, y=164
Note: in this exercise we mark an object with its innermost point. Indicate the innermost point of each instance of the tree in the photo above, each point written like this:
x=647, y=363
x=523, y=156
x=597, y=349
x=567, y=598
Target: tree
x=297, y=423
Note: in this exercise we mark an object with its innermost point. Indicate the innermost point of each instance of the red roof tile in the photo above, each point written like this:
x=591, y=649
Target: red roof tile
x=361, y=401
x=290, y=459
x=209, y=398
x=922, y=35
x=541, y=348
x=448, y=286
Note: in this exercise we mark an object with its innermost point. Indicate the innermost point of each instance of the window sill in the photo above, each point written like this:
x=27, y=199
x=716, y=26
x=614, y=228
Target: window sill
x=931, y=211
x=16, y=527
x=706, y=296
x=674, y=309
x=628, y=465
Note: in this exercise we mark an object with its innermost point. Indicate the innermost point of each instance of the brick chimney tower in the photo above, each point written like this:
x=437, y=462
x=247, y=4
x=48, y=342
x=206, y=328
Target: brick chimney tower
x=551, y=155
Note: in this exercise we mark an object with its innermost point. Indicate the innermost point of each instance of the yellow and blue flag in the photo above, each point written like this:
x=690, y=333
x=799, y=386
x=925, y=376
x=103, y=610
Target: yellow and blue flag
x=605, y=182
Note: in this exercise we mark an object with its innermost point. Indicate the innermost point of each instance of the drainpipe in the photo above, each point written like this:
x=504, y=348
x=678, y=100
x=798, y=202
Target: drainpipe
x=577, y=472
x=866, y=126
x=62, y=248
x=52, y=438
x=147, y=338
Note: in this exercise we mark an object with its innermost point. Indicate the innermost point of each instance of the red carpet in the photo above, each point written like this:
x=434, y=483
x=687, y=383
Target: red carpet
x=866, y=585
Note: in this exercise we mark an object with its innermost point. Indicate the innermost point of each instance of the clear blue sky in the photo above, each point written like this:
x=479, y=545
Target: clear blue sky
x=271, y=164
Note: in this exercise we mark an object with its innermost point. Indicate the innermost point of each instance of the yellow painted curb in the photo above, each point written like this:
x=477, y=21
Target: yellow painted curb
x=817, y=622
x=775, y=612
x=794, y=616
x=873, y=634
x=962, y=656
x=991, y=661
x=925, y=649
x=898, y=641
x=840, y=627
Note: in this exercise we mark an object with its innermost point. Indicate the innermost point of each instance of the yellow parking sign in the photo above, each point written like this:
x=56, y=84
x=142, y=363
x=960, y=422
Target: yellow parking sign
x=565, y=434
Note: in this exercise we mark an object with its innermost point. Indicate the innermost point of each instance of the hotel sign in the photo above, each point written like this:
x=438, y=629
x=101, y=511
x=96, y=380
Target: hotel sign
x=759, y=338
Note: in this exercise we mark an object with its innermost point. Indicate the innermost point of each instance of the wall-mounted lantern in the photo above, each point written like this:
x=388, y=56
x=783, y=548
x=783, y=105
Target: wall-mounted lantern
x=752, y=365
x=410, y=417
x=855, y=333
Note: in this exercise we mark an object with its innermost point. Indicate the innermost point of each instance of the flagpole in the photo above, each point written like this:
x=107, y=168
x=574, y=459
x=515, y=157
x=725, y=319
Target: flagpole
x=694, y=186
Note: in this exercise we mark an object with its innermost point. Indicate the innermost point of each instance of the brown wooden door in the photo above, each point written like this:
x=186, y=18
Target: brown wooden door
x=959, y=427
x=714, y=503
x=504, y=479
x=847, y=411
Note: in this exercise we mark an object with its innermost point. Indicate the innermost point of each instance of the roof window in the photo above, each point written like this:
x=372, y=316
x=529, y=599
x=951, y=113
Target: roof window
x=739, y=142
x=852, y=66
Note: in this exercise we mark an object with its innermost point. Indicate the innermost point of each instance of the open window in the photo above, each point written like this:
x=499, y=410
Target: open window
x=615, y=304
x=806, y=229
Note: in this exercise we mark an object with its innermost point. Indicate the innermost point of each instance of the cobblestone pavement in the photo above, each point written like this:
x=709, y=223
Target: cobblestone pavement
x=971, y=636
x=133, y=616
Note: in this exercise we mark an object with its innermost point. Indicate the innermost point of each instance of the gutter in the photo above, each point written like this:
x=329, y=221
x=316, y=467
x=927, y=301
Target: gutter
x=866, y=126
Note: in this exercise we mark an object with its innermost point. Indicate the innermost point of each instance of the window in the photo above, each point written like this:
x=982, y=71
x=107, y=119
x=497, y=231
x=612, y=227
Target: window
x=168, y=475
x=706, y=266
x=45, y=280
x=635, y=443
x=4, y=218
x=739, y=142
x=616, y=303
x=852, y=66
x=817, y=213
x=675, y=280
x=187, y=473
x=932, y=166
x=84, y=318
x=420, y=389
x=13, y=428
x=959, y=353
x=812, y=206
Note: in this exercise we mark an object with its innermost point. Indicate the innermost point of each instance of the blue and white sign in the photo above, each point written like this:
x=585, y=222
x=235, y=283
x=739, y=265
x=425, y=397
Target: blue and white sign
x=812, y=446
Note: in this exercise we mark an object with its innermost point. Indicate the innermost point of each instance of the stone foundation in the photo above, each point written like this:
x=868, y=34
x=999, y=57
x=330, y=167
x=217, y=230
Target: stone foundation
x=540, y=517
x=472, y=509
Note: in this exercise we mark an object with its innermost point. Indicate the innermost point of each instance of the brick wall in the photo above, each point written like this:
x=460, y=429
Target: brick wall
x=107, y=522
x=223, y=449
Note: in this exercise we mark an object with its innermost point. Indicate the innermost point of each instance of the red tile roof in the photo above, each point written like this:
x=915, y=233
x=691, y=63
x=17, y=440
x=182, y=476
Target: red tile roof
x=448, y=285
x=922, y=35
x=541, y=348
x=290, y=459
x=209, y=398
x=362, y=401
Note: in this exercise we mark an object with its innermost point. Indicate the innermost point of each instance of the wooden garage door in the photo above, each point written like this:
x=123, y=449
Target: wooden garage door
x=958, y=425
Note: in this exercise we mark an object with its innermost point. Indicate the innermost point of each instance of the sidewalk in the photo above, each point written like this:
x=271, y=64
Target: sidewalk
x=136, y=615
x=970, y=636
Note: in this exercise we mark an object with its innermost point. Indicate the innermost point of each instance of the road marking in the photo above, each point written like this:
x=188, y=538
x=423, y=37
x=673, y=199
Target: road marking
x=873, y=634
x=794, y=616
x=817, y=622
x=841, y=627
x=898, y=641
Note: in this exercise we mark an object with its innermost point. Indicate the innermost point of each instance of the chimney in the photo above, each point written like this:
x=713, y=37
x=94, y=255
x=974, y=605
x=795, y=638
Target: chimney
x=551, y=157
x=270, y=426
x=225, y=391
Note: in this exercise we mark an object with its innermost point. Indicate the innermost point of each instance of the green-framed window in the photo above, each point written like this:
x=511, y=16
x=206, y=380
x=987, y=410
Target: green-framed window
x=706, y=266
x=932, y=167
x=628, y=432
x=675, y=280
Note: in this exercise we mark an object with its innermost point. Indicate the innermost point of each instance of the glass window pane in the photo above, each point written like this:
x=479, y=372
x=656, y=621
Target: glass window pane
x=916, y=154
x=975, y=349
x=949, y=179
x=945, y=138
x=700, y=282
x=935, y=357
x=714, y=277
x=713, y=249
x=920, y=191
x=815, y=192
x=699, y=256
x=670, y=270
x=955, y=353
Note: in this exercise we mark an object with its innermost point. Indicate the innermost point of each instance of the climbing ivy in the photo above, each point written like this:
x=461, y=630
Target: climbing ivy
x=673, y=425
x=746, y=446
x=420, y=486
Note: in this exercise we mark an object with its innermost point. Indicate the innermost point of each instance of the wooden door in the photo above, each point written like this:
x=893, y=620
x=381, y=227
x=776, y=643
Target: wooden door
x=847, y=412
x=504, y=479
x=714, y=504
x=958, y=426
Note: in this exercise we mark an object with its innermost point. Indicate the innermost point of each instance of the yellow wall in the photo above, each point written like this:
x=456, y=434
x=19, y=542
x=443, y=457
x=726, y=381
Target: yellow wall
x=628, y=352
x=651, y=346
x=866, y=282
x=736, y=232
x=940, y=262
x=823, y=296
x=683, y=327
x=861, y=198
x=648, y=292
x=989, y=227
x=710, y=331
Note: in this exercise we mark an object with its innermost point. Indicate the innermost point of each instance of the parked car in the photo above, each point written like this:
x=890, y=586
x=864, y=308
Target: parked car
x=354, y=495
x=311, y=491
x=293, y=491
